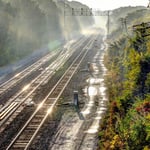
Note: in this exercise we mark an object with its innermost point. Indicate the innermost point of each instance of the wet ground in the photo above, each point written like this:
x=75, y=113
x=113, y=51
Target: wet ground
x=78, y=129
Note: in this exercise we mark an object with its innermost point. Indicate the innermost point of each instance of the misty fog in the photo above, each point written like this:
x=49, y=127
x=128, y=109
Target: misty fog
x=29, y=25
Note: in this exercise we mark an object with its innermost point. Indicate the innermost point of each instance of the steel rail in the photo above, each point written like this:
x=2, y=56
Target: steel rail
x=47, y=75
x=66, y=77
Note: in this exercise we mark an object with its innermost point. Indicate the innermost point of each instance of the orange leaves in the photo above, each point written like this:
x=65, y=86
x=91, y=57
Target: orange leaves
x=144, y=108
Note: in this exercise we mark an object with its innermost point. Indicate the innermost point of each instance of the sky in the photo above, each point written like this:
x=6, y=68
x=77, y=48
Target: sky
x=112, y=4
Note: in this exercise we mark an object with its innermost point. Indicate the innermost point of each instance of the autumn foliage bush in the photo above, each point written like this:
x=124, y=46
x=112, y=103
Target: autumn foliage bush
x=126, y=125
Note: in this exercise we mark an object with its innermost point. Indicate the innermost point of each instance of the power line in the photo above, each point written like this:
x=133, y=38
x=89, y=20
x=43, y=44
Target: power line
x=89, y=12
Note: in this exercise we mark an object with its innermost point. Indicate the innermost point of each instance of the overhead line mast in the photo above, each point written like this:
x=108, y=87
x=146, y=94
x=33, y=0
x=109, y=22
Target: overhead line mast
x=89, y=12
x=148, y=4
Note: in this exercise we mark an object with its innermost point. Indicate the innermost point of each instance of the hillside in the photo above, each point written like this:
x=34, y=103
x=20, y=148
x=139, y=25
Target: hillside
x=127, y=122
x=130, y=15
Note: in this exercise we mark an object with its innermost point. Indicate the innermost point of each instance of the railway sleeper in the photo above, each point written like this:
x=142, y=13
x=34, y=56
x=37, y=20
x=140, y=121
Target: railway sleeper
x=58, y=89
x=27, y=133
x=72, y=69
x=48, y=105
x=55, y=93
x=33, y=127
x=49, y=102
x=62, y=83
x=45, y=107
x=22, y=141
x=36, y=121
x=67, y=77
x=39, y=115
x=15, y=115
x=18, y=111
x=36, y=82
x=26, y=137
x=19, y=145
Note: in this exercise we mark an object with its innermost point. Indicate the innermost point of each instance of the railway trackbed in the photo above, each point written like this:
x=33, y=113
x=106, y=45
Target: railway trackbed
x=15, y=104
x=29, y=131
x=14, y=84
x=4, y=87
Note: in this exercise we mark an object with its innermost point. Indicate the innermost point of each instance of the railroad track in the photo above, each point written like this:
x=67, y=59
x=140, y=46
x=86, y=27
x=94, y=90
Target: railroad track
x=14, y=106
x=4, y=87
x=32, y=127
x=9, y=84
